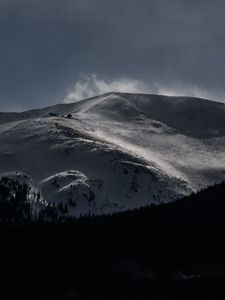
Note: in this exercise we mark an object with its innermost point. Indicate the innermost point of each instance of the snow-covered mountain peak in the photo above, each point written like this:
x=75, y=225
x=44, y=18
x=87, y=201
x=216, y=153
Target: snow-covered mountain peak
x=122, y=150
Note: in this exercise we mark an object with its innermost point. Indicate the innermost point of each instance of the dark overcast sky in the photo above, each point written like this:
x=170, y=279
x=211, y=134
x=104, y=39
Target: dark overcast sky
x=47, y=46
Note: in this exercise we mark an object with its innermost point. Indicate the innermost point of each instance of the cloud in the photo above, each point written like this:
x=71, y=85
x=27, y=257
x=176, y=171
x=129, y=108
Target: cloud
x=189, y=91
x=91, y=85
x=175, y=47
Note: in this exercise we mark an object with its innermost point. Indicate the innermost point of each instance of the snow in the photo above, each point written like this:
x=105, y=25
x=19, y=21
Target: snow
x=71, y=188
x=118, y=151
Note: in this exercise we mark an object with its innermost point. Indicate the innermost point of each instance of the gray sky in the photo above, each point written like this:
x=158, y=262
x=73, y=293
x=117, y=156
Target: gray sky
x=62, y=50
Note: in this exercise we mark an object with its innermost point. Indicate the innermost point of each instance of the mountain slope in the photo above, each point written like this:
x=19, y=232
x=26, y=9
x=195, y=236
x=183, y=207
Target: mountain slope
x=172, y=251
x=116, y=151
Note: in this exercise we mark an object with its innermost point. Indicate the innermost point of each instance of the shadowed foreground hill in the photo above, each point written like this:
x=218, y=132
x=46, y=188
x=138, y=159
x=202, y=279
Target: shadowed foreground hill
x=173, y=251
x=197, y=213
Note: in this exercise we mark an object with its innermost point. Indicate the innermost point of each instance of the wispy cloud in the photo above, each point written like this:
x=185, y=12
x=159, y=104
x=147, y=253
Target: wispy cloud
x=91, y=85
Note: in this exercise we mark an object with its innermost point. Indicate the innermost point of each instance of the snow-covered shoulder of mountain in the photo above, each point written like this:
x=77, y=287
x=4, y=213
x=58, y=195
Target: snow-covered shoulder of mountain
x=116, y=151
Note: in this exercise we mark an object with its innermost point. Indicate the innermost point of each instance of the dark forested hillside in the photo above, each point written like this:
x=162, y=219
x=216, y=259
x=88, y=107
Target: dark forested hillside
x=173, y=251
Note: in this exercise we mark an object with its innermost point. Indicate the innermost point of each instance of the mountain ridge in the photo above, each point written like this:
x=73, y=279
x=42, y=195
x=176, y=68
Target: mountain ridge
x=58, y=105
x=143, y=148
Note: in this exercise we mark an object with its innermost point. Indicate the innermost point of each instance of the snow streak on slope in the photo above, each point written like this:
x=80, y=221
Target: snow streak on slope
x=117, y=151
x=192, y=148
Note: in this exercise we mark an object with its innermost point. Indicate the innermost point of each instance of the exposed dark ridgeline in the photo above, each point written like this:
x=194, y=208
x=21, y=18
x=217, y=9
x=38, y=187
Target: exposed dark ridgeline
x=173, y=251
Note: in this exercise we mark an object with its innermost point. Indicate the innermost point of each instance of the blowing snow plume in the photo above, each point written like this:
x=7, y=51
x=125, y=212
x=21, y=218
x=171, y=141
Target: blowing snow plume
x=92, y=85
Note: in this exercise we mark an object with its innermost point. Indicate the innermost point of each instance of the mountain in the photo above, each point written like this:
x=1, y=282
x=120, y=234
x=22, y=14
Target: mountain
x=168, y=251
x=116, y=151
